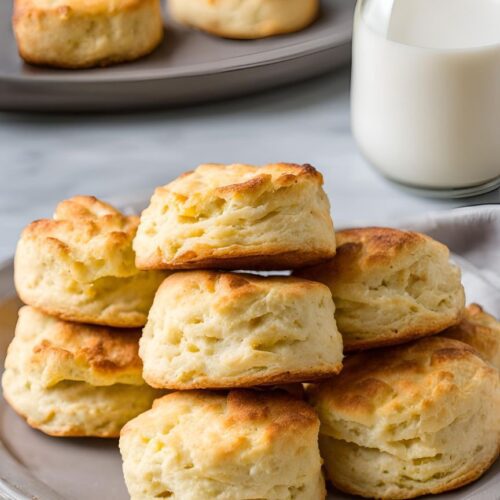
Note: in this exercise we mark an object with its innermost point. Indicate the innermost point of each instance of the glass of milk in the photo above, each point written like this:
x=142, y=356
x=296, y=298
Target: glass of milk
x=425, y=94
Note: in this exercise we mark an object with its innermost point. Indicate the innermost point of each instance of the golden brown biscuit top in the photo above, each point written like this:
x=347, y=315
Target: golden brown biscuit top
x=362, y=249
x=475, y=318
x=477, y=313
x=389, y=381
x=237, y=286
x=480, y=330
x=227, y=181
x=378, y=245
x=65, y=8
x=59, y=350
x=276, y=409
x=94, y=236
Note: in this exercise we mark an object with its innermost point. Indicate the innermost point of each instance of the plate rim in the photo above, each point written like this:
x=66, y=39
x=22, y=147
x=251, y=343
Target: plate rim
x=193, y=71
x=325, y=40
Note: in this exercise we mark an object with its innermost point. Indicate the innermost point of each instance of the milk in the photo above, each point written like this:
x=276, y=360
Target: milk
x=426, y=90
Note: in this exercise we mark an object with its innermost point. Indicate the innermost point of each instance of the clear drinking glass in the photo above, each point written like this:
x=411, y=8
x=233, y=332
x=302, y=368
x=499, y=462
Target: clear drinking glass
x=425, y=94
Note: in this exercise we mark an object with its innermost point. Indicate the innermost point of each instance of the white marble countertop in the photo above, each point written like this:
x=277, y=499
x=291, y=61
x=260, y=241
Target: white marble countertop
x=45, y=158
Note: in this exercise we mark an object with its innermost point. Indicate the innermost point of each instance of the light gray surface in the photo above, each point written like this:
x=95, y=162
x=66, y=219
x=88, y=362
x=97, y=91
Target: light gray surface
x=189, y=66
x=46, y=158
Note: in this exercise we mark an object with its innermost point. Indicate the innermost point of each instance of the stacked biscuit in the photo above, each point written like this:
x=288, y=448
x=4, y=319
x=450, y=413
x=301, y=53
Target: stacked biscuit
x=412, y=413
x=87, y=33
x=413, y=410
x=212, y=329
x=73, y=367
x=388, y=421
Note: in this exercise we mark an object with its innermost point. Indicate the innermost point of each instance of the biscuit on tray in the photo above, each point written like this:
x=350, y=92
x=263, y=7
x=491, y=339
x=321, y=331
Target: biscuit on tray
x=85, y=33
x=237, y=217
x=481, y=331
x=390, y=286
x=410, y=420
x=68, y=379
x=245, y=18
x=79, y=266
x=195, y=445
x=211, y=330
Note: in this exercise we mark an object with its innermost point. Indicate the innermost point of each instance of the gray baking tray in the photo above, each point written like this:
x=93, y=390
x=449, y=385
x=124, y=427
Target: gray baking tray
x=189, y=67
x=36, y=466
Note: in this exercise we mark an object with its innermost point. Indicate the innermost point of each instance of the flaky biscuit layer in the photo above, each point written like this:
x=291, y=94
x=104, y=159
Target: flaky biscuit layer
x=390, y=286
x=481, y=331
x=237, y=217
x=68, y=379
x=86, y=33
x=241, y=444
x=410, y=420
x=223, y=330
x=79, y=266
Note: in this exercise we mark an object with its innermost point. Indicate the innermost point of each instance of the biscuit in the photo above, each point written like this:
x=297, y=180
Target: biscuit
x=245, y=19
x=79, y=266
x=237, y=217
x=481, y=331
x=85, y=33
x=68, y=379
x=390, y=286
x=411, y=420
x=200, y=444
x=211, y=330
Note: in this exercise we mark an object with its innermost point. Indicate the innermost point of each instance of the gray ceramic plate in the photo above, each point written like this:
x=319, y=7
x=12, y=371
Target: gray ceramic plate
x=35, y=466
x=188, y=67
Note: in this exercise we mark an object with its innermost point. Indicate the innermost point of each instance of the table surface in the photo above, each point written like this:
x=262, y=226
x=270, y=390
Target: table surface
x=46, y=158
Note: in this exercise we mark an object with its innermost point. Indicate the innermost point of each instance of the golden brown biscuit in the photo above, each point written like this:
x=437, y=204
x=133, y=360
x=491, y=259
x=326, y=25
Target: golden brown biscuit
x=85, y=33
x=68, y=379
x=481, y=331
x=79, y=266
x=390, y=286
x=411, y=420
x=211, y=330
x=198, y=445
x=245, y=18
x=237, y=217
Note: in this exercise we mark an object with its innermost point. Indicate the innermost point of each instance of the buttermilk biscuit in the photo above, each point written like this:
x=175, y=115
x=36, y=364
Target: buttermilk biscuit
x=79, y=266
x=85, y=33
x=245, y=18
x=237, y=217
x=390, y=286
x=241, y=445
x=68, y=379
x=410, y=420
x=481, y=331
x=221, y=330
